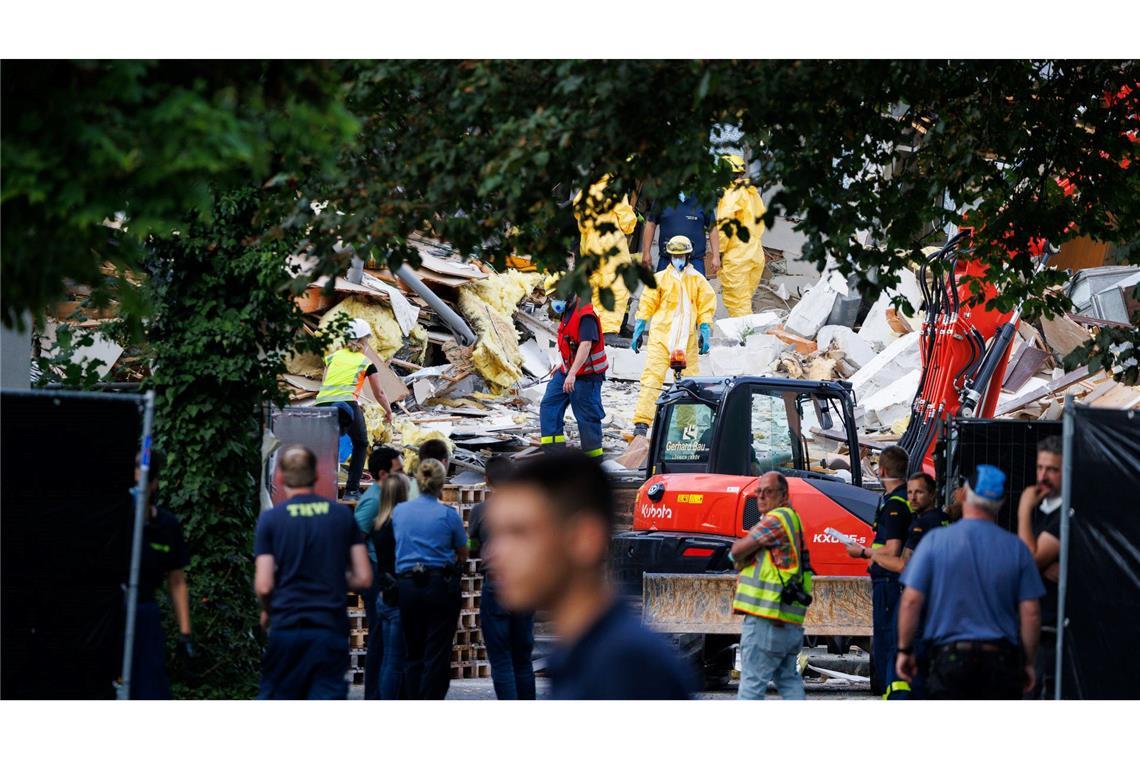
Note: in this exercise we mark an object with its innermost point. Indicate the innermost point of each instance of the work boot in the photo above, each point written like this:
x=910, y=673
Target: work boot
x=641, y=429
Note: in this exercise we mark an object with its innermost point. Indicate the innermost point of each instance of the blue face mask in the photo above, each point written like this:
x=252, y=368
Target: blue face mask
x=678, y=263
x=681, y=196
x=558, y=306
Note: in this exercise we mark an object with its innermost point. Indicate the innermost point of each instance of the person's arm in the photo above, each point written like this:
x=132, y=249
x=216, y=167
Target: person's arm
x=890, y=550
x=884, y=559
x=767, y=532
x=378, y=391
x=625, y=215
x=648, y=302
x=647, y=242
x=264, y=569
x=1029, y=610
x=180, y=599
x=459, y=539
x=706, y=303
x=359, y=574
x=579, y=359
x=1048, y=551
x=1030, y=498
x=910, y=612
x=713, y=264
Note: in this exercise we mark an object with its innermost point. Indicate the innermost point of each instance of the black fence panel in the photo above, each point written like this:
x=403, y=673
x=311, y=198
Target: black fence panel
x=1102, y=597
x=65, y=534
x=1008, y=444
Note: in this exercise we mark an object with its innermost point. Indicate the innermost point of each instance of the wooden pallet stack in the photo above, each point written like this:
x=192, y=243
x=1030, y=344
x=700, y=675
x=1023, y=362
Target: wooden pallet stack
x=468, y=655
x=357, y=638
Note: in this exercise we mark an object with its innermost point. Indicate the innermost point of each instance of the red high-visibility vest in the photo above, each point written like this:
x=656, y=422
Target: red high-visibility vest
x=568, y=340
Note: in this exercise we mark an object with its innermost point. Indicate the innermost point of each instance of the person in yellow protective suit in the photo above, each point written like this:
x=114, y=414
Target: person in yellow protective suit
x=617, y=222
x=681, y=307
x=742, y=263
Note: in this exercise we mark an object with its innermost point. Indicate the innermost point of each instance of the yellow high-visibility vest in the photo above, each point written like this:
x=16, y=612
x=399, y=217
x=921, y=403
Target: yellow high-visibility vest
x=344, y=376
x=759, y=587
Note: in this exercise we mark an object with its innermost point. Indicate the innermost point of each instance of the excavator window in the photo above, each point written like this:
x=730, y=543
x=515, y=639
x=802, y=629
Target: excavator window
x=689, y=428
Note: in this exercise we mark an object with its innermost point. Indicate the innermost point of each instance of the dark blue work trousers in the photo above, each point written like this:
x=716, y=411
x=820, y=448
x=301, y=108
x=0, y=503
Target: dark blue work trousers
x=586, y=402
x=509, y=638
x=885, y=593
x=305, y=663
x=350, y=419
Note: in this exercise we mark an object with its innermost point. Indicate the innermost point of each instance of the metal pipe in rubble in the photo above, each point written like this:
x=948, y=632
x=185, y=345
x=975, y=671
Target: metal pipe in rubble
x=455, y=322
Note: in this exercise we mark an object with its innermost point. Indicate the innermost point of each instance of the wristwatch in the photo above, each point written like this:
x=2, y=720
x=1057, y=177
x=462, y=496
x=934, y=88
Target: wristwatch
x=906, y=650
x=863, y=552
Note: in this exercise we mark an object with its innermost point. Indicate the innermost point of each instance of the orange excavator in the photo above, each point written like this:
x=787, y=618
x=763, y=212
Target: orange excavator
x=714, y=436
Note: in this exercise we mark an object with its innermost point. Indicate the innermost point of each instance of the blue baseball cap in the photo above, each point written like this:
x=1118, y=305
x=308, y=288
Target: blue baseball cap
x=988, y=482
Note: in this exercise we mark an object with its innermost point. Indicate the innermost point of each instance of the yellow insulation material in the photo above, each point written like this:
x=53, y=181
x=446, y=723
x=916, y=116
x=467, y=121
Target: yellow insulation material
x=386, y=337
x=379, y=431
x=489, y=305
x=413, y=435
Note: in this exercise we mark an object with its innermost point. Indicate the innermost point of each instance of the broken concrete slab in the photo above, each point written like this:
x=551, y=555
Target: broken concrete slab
x=624, y=363
x=814, y=309
x=856, y=350
x=896, y=360
x=876, y=329
x=739, y=328
x=757, y=356
x=536, y=359
x=892, y=403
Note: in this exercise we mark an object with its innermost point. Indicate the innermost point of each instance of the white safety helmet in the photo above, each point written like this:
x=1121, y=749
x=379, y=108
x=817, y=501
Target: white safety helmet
x=679, y=245
x=359, y=329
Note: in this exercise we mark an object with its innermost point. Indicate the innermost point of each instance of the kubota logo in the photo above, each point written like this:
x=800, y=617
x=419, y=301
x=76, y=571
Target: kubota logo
x=823, y=538
x=650, y=512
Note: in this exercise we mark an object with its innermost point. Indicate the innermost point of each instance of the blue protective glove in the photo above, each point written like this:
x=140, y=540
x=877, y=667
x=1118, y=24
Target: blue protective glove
x=638, y=334
x=706, y=337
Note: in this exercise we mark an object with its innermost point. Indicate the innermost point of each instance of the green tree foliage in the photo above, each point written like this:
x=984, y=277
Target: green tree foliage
x=483, y=153
x=221, y=328
x=87, y=141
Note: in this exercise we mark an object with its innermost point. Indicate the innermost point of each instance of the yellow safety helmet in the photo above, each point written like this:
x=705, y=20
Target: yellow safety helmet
x=735, y=162
x=679, y=245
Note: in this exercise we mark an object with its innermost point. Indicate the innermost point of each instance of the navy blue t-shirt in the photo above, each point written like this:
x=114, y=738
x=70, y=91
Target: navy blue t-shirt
x=619, y=658
x=311, y=540
x=923, y=523
x=686, y=218
x=892, y=520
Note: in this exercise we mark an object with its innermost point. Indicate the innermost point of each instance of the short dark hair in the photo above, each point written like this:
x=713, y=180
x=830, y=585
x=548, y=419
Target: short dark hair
x=498, y=468
x=929, y=482
x=298, y=465
x=381, y=459
x=573, y=482
x=1050, y=444
x=894, y=461
x=433, y=448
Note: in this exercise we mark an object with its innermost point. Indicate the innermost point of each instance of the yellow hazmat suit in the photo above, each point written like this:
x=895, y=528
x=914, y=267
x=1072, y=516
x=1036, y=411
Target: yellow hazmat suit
x=621, y=219
x=679, y=303
x=741, y=264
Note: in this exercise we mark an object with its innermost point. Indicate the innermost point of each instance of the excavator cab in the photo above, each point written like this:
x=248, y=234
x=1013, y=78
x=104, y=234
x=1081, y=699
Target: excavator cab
x=749, y=425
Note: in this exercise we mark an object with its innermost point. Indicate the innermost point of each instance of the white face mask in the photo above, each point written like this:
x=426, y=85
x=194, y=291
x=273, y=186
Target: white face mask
x=679, y=263
x=681, y=196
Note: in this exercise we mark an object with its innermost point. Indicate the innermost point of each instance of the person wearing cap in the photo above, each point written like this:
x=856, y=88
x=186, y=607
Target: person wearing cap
x=346, y=369
x=577, y=383
x=688, y=218
x=739, y=214
x=681, y=307
x=980, y=591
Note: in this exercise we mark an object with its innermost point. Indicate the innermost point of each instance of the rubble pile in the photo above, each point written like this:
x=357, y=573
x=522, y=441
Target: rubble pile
x=482, y=395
